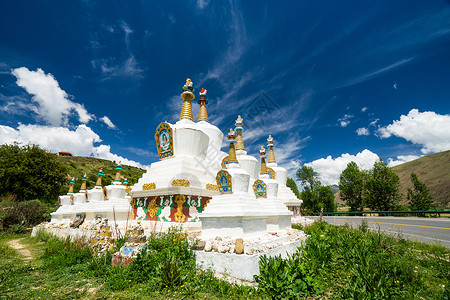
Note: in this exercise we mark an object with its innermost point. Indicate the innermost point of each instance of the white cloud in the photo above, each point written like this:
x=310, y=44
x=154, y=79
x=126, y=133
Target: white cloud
x=345, y=120
x=374, y=122
x=53, y=103
x=79, y=142
x=108, y=122
x=329, y=169
x=428, y=129
x=401, y=159
x=202, y=3
x=362, y=131
x=363, y=109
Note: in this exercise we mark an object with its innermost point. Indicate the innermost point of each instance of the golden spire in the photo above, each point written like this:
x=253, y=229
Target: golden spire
x=262, y=154
x=202, y=114
x=188, y=96
x=72, y=182
x=239, y=129
x=83, y=183
x=118, y=168
x=271, y=158
x=99, y=179
x=231, y=152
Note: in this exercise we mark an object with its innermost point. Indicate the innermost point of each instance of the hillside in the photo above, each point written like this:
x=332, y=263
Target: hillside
x=433, y=170
x=77, y=166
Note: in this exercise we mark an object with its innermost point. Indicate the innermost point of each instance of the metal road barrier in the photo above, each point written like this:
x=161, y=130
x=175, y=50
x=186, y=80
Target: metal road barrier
x=385, y=213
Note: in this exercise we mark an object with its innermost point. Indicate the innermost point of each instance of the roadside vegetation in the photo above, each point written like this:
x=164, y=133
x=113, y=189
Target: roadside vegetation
x=335, y=263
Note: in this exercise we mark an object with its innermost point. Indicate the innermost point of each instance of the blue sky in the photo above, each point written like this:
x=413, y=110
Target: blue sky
x=331, y=81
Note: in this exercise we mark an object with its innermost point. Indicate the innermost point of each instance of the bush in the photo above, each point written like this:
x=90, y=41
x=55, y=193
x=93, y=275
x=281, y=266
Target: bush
x=284, y=278
x=26, y=214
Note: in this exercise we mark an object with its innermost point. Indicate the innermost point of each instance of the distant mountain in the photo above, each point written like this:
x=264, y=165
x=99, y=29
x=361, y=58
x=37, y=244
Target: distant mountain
x=334, y=188
x=433, y=170
x=77, y=166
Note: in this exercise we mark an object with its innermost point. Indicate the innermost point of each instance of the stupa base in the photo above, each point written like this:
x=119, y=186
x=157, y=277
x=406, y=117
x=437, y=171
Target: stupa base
x=245, y=266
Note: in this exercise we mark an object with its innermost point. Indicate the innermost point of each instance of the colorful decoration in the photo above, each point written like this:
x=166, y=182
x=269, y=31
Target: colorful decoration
x=260, y=189
x=223, y=180
x=83, y=183
x=181, y=182
x=224, y=162
x=188, y=86
x=212, y=187
x=149, y=186
x=164, y=208
x=164, y=140
x=271, y=173
x=179, y=215
x=72, y=183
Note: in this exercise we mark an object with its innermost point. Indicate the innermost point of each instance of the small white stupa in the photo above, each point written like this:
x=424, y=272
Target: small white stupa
x=285, y=194
x=235, y=212
x=266, y=190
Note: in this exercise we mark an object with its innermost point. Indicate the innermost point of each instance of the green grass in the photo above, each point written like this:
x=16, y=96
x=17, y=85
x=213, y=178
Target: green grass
x=336, y=263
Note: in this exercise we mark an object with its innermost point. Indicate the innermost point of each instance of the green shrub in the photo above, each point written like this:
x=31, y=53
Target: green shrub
x=284, y=278
x=26, y=214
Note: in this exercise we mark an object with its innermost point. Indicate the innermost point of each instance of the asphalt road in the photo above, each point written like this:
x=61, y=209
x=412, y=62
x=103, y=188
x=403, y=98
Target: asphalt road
x=429, y=230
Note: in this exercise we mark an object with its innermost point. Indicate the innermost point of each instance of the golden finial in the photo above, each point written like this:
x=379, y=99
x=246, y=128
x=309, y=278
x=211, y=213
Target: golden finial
x=118, y=168
x=271, y=157
x=262, y=154
x=239, y=129
x=99, y=179
x=188, y=96
x=83, y=183
x=202, y=114
x=72, y=183
x=231, y=151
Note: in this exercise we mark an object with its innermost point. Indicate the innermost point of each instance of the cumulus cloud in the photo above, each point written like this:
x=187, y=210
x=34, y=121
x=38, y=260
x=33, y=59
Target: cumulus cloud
x=80, y=142
x=363, y=109
x=329, y=169
x=345, y=120
x=401, y=159
x=428, y=129
x=362, y=131
x=54, y=105
x=108, y=122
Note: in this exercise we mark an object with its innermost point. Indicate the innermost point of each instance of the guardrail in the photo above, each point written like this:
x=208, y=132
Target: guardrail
x=388, y=213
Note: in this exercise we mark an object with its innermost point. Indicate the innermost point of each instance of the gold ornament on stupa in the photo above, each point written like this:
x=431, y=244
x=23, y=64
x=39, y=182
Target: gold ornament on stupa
x=262, y=154
x=99, y=179
x=239, y=129
x=72, y=183
x=188, y=96
x=231, y=151
x=118, y=168
x=202, y=113
x=83, y=183
x=271, y=156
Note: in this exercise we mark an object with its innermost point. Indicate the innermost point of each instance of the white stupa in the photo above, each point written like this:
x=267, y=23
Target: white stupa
x=285, y=194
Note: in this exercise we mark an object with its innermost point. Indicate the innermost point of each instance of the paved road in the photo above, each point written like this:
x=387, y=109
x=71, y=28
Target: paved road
x=429, y=230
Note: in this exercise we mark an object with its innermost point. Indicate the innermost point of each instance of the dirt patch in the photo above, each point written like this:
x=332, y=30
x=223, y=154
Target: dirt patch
x=16, y=245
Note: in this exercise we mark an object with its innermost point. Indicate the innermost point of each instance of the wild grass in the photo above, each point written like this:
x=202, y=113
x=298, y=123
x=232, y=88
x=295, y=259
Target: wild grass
x=334, y=263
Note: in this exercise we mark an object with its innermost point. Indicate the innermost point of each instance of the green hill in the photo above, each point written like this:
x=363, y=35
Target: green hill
x=77, y=166
x=433, y=170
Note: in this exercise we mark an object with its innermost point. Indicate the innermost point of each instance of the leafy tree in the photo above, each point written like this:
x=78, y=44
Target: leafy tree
x=314, y=195
x=420, y=198
x=326, y=197
x=382, y=188
x=291, y=184
x=351, y=186
x=28, y=172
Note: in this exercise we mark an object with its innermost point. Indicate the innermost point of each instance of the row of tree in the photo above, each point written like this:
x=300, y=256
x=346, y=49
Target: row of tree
x=377, y=189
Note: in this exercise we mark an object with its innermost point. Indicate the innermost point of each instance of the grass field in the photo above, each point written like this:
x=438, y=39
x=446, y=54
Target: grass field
x=336, y=263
